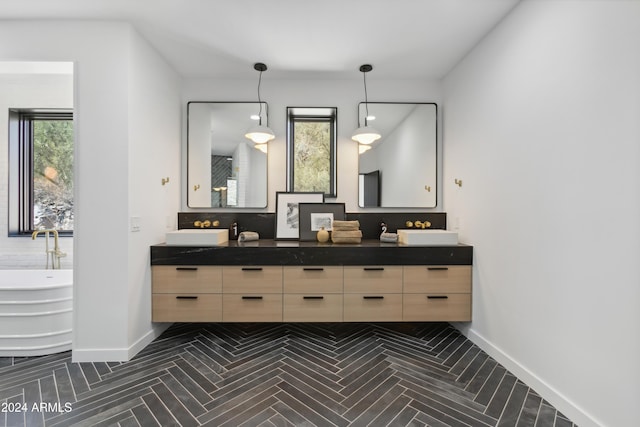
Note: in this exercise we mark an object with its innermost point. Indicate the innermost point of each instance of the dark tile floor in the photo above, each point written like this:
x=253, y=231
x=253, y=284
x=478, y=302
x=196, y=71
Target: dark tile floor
x=348, y=374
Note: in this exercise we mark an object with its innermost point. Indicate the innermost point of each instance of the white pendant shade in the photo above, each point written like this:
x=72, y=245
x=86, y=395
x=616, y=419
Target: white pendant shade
x=260, y=134
x=366, y=135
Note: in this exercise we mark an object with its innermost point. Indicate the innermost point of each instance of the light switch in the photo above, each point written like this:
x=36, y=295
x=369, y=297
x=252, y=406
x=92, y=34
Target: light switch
x=134, y=224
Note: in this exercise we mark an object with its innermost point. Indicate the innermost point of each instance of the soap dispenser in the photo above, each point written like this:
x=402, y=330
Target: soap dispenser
x=233, y=231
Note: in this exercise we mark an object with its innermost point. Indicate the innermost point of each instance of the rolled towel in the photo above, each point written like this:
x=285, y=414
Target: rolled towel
x=346, y=233
x=389, y=237
x=248, y=236
x=345, y=225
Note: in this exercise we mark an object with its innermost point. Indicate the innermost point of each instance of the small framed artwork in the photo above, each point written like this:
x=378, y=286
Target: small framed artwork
x=314, y=216
x=287, y=213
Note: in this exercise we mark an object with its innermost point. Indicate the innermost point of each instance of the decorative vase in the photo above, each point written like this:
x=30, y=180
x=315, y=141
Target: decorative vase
x=322, y=235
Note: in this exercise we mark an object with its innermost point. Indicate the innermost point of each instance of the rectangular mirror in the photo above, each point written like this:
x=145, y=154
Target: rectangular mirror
x=400, y=169
x=224, y=168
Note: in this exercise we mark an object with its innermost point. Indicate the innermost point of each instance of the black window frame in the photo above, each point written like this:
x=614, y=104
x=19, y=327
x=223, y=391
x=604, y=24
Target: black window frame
x=20, y=170
x=305, y=114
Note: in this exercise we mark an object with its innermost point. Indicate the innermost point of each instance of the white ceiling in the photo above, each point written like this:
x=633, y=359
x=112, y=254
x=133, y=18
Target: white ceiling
x=295, y=38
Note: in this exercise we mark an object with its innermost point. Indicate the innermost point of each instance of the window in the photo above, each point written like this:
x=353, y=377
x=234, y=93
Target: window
x=40, y=171
x=311, y=149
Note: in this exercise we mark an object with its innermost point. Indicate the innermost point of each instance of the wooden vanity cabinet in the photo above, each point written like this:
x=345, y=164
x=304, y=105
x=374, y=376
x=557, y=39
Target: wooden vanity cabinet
x=312, y=294
x=186, y=293
x=372, y=293
x=437, y=293
x=252, y=294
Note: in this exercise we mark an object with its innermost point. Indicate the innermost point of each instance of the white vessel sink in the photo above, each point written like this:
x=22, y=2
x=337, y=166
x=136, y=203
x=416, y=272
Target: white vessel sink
x=197, y=237
x=427, y=237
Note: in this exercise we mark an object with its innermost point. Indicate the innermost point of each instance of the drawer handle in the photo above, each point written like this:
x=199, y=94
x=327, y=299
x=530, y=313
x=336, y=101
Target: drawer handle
x=437, y=297
x=437, y=268
x=251, y=297
x=313, y=297
x=186, y=297
x=251, y=268
x=186, y=268
x=373, y=297
x=313, y=269
x=373, y=268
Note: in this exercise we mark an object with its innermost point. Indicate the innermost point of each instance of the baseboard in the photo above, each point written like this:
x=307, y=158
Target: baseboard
x=119, y=354
x=553, y=396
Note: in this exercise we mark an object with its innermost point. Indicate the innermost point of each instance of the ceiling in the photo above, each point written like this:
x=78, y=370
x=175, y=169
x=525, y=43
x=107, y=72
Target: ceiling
x=296, y=38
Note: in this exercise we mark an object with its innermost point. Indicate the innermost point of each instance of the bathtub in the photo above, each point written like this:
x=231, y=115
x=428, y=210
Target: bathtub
x=36, y=308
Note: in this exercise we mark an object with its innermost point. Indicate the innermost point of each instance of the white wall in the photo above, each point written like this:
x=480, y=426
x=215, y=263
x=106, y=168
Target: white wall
x=32, y=90
x=154, y=153
x=542, y=124
x=344, y=94
x=105, y=325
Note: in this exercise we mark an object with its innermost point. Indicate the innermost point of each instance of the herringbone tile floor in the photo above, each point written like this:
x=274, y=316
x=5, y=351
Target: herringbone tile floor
x=349, y=374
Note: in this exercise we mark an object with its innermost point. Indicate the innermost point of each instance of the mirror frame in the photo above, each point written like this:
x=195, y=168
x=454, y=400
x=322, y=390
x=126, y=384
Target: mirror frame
x=434, y=186
x=265, y=115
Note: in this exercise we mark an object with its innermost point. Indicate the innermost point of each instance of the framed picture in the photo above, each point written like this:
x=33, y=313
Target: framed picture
x=287, y=214
x=314, y=216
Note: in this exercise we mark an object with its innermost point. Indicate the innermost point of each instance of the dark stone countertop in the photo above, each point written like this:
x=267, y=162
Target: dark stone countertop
x=283, y=252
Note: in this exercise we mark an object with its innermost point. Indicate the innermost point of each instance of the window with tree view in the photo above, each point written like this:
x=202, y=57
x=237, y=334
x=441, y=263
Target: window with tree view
x=311, y=150
x=41, y=186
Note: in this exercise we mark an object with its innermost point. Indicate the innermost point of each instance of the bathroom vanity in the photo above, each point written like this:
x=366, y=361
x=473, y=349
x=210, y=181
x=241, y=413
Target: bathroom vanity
x=292, y=281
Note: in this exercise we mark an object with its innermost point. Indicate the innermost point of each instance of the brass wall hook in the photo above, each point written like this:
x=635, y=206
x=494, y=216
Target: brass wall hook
x=428, y=188
x=165, y=180
x=196, y=187
x=458, y=182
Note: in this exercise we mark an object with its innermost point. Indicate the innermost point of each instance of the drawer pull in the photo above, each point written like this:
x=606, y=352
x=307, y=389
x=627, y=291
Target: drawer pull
x=251, y=297
x=313, y=297
x=186, y=297
x=437, y=268
x=313, y=269
x=251, y=268
x=373, y=268
x=437, y=297
x=373, y=297
x=186, y=268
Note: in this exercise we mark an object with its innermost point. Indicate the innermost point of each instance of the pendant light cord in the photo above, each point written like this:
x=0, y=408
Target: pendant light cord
x=366, y=98
x=259, y=100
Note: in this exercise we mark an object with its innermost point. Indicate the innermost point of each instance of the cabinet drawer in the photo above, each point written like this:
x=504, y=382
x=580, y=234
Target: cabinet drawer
x=312, y=308
x=200, y=279
x=372, y=307
x=256, y=279
x=374, y=278
x=187, y=308
x=437, y=307
x=313, y=279
x=252, y=308
x=437, y=278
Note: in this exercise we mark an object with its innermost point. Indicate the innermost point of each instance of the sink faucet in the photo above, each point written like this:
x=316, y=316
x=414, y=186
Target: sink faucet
x=54, y=253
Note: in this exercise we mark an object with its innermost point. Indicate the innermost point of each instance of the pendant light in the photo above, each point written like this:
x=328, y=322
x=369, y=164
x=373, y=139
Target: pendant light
x=260, y=134
x=365, y=134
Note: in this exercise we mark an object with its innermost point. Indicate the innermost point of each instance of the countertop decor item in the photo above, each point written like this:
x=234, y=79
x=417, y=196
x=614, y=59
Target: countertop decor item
x=322, y=236
x=248, y=236
x=288, y=215
x=314, y=216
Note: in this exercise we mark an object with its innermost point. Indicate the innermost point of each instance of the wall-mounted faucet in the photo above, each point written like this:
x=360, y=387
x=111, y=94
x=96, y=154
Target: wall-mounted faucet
x=54, y=253
x=418, y=224
x=206, y=223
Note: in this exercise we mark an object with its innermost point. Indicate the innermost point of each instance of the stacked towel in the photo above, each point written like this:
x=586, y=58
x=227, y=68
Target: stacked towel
x=346, y=232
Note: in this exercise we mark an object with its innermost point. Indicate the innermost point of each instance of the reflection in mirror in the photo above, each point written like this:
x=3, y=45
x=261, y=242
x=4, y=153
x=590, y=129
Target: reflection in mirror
x=400, y=169
x=225, y=169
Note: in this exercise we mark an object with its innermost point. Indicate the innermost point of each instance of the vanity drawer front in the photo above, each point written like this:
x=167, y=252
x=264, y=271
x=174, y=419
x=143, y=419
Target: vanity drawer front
x=187, y=308
x=373, y=278
x=312, y=308
x=326, y=279
x=188, y=278
x=372, y=307
x=437, y=307
x=249, y=307
x=437, y=278
x=257, y=279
